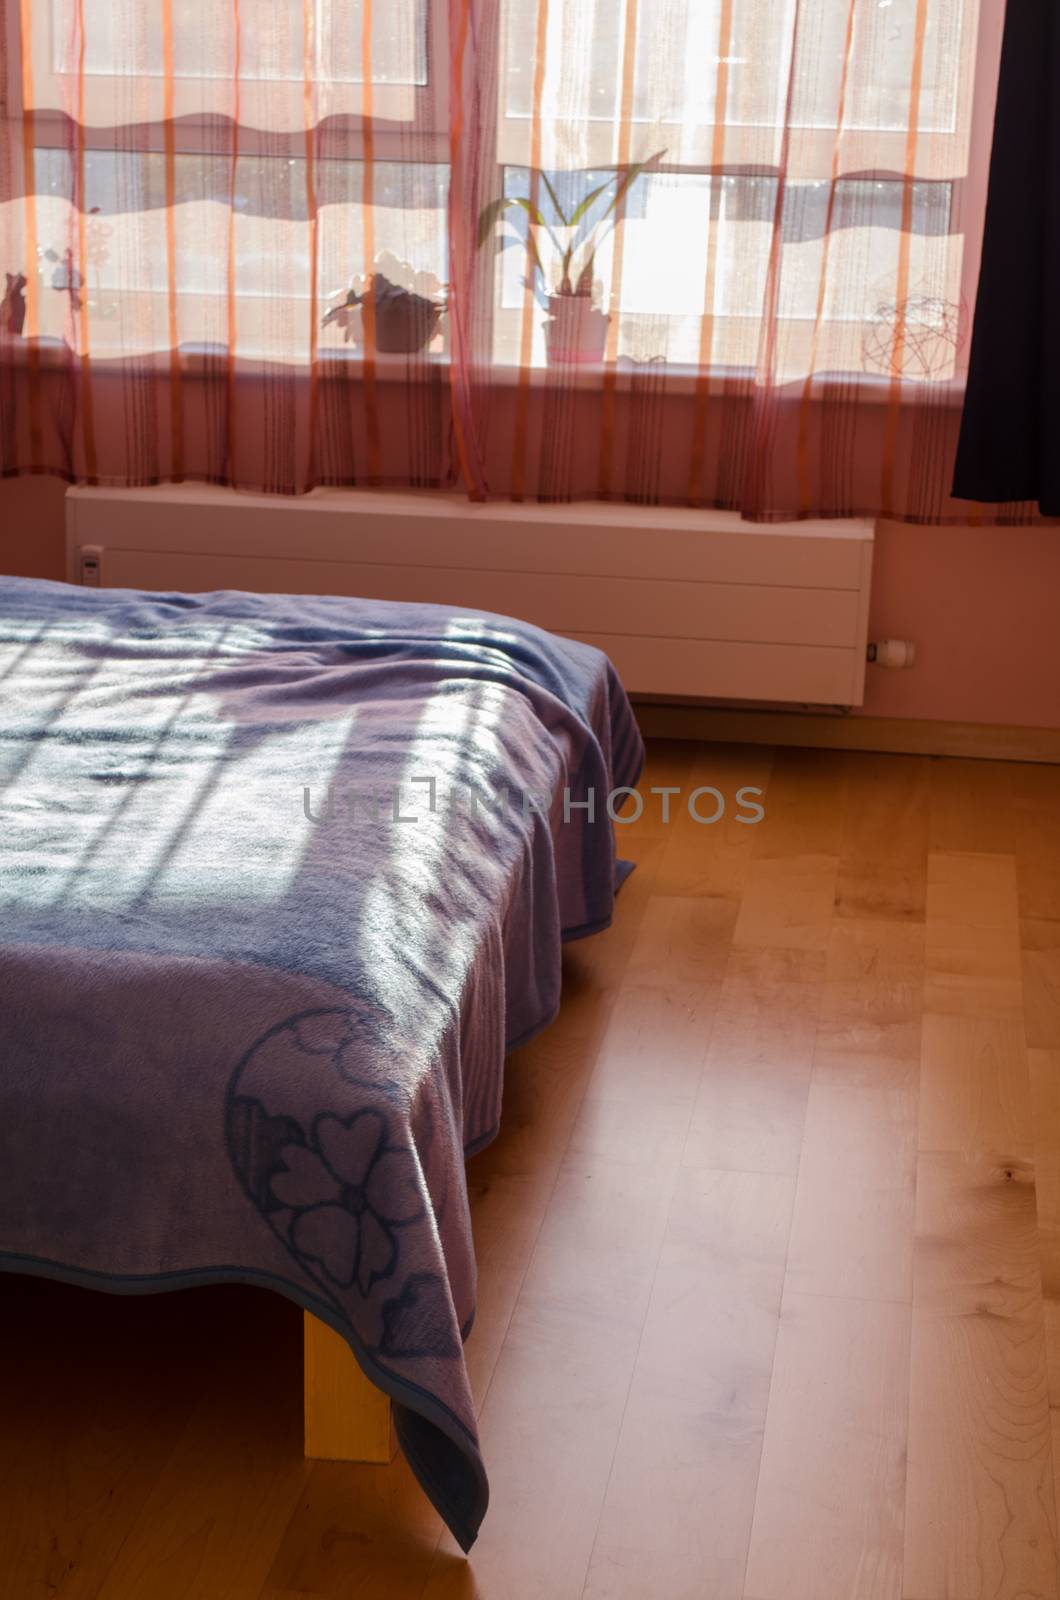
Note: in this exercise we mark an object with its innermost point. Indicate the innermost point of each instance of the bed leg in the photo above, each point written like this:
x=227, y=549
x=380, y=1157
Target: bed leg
x=346, y=1417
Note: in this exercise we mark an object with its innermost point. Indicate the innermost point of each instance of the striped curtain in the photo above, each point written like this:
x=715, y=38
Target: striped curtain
x=704, y=252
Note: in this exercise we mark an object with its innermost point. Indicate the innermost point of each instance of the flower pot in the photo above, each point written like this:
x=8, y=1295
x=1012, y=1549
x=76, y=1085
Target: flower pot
x=575, y=332
x=404, y=322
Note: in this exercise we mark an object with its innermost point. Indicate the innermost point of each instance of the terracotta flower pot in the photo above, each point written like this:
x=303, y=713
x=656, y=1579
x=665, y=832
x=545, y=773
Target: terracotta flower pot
x=575, y=332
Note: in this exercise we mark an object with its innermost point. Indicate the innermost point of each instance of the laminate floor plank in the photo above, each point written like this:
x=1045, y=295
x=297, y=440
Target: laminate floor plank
x=828, y=1518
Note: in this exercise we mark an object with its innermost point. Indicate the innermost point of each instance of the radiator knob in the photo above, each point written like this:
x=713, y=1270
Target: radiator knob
x=893, y=653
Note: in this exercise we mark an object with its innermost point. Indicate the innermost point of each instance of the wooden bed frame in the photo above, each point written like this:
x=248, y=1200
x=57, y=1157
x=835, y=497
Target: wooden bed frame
x=346, y=1417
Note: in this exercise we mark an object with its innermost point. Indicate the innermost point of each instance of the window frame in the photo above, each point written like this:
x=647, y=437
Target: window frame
x=386, y=131
x=959, y=158
x=388, y=141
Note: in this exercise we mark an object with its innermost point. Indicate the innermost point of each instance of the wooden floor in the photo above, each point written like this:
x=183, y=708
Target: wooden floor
x=769, y=1257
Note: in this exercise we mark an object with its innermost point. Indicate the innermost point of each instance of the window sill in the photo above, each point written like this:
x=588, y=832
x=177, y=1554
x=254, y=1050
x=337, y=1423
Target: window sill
x=203, y=361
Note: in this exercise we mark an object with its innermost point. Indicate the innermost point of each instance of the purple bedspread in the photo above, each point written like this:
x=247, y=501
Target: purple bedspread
x=281, y=880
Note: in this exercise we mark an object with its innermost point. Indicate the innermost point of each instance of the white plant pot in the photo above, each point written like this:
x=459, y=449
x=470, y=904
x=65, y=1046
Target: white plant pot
x=575, y=332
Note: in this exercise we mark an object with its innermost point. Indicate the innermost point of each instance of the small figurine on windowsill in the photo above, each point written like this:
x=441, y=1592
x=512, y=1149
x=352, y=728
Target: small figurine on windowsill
x=13, y=305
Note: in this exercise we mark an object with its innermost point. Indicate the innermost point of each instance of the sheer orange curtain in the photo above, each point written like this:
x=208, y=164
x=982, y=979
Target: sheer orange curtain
x=710, y=252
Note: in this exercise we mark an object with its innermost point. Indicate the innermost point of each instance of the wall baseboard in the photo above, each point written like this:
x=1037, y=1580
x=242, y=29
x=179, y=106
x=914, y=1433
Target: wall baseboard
x=891, y=735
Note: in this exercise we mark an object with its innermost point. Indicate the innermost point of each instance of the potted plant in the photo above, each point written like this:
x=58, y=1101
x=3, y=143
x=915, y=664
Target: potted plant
x=575, y=324
x=407, y=307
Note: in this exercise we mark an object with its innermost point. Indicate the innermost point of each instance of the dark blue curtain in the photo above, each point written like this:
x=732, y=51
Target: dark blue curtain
x=1010, y=433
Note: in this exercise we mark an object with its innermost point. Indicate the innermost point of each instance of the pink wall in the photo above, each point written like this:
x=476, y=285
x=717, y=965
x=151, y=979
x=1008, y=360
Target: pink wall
x=980, y=604
x=32, y=536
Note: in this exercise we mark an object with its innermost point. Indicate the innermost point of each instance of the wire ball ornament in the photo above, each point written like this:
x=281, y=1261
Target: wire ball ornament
x=917, y=337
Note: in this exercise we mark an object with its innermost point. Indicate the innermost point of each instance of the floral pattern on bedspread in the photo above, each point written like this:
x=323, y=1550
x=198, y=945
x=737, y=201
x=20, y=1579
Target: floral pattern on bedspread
x=342, y=1193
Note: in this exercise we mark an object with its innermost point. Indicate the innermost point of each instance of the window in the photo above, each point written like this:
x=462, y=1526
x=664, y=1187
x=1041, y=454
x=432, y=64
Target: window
x=884, y=174
x=168, y=214
x=278, y=45
x=859, y=140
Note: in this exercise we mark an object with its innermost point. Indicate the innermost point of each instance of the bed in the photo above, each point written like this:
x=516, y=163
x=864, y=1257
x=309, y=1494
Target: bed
x=282, y=880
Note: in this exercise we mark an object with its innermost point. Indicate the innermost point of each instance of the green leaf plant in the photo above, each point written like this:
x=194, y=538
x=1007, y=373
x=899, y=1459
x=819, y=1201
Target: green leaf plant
x=575, y=258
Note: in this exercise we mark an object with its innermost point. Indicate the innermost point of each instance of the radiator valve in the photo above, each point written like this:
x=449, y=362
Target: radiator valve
x=893, y=653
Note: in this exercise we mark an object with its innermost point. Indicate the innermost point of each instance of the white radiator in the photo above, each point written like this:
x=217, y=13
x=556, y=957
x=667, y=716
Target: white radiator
x=686, y=603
